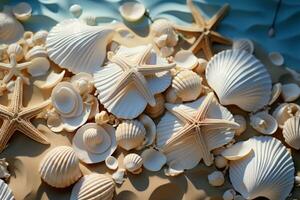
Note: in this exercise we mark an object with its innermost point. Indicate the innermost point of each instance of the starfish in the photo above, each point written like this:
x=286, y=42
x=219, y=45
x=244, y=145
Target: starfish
x=16, y=117
x=204, y=30
x=193, y=127
x=134, y=72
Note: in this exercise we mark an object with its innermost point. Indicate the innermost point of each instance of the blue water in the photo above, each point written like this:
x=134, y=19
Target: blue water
x=247, y=18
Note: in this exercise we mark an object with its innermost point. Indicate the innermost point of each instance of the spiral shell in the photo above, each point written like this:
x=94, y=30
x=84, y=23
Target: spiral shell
x=291, y=132
x=133, y=163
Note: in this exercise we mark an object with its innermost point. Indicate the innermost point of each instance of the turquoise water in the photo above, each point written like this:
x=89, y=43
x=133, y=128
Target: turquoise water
x=247, y=18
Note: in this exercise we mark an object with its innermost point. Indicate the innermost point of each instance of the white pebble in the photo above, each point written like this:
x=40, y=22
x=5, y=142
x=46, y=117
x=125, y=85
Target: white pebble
x=216, y=178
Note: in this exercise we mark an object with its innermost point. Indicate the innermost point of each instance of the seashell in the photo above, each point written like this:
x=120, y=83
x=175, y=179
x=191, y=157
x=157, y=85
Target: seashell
x=187, y=85
x=171, y=96
x=90, y=20
x=162, y=27
x=3, y=52
x=242, y=122
x=102, y=117
x=166, y=51
x=75, y=10
x=4, y=173
x=293, y=73
x=243, y=44
x=170, y=171
x=10, y=29
x=130, y=134
x=158, y=109
x=220, y=162
x=291, y=132
x=93, y=102
x=161, y=41
x=40, y=37
x=16, y=49
x=83, y=82
x=153, y=160
x=36, y=52
x=237, y=151
x=132, y=11
x=285, y=111
x=200, y=68
x=276, y=58
x=133, y=163
x=186, y=59
x=276, y=91
x=93, y=186
x=39, y=66
x=264, y=123
x=111, y=163
x=216, y=178
x=229, y=194
x=118, y=176
x=239, y=78
x=27, y=38
x=22, y=11
x=51, y=80
x=71, y=40
x=93, y=143
x=150, y=128
x=266, y=172
x=5, y=192
x=60, y=167
x=290, y=92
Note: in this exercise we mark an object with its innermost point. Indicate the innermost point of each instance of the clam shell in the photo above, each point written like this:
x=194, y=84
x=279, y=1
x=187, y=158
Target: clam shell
x=130, y=134
x=36, y=51
x=276, y=58
x=264, y=123
x=153, y=160
x=291, y=132
x=60, y=167
x=266, y=172
x=239, y=78
x=290, y=92
x=5, y=191
x=10, y=29
x=93, y=186
x=133, y=163
x=78, y=47
x=242, y=122
x=285, y=111
x=132, y=11
x=22, y=11
x=150, y=128
x=243, y=44
x=39, y=66
x=111, y=162
x=40, y=37
x=158, y=109
x=16, y=49
x=276, y=91
x=75, y=10
x=186, y=59
x=51, y=80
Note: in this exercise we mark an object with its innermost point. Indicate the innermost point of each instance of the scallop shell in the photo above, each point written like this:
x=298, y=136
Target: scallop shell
x=243, y=44
x=266, y=172
x=276, y=91
x=158, y=109
x=153, y=160
x=111, y=162
x=75, y=10
x=276, y=58
x=39, y=66
x=51, y=80
x=78, y=47
x=132, y=11
x=290, y=92
x=186, y=59
x=35, y=52
x=187, y=85
x=16, y=49
x=150, y=128
x=285, y=111
x=60, y=167
x=40, y=37
x=22, y=11
x=264, y=123
x=239, y=78
x=130, y=134
x=291, y=132
x=133, y=163
x=93, y=186
x=5, y=191
x=83, y=83
x=242, y=122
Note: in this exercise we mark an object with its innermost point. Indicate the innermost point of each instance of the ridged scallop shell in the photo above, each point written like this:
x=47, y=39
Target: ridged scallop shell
x=132, y=11
x=133, y=163
x=78, y=47
x=266, y=172
x=158, y=109
x=5, y=191
x=93, y=187
x=264, y=123
x=239, y=78
x=285, y=111
x=243, y=44
x=36, y=51
x=130, y=134
x=291, y=132
x=16, y=49
x=60, y=167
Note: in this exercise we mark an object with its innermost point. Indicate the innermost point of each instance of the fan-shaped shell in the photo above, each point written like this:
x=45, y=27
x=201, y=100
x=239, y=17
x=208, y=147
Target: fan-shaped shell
x=130, y=134
x=266, y=172
x=36, y=51
x=60, y=167
x=5, y=191
x=78, y=47
x=153, y=160
x=133, y=163
x=291, y=132
x=264, y=123
x=285, y=111
x=239, y=78
x=16, y=49
x=132, y=11
x=10, y=29
x=93, y=186
x=243, y=44
x=39, y=66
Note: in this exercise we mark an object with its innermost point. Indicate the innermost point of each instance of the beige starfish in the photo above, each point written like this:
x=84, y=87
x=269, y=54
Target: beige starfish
x=194, y=124
x=203, y=31
x=134, y=72
x=16, y=117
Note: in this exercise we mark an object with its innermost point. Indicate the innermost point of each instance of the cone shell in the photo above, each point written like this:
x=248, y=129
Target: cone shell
x=239, y=78
x=93, y=186
x=291, y=132
x=10, y=29
x=266, y=172
x=133, y=163
x=60, y=167
x=5, y=191
x=158, y=109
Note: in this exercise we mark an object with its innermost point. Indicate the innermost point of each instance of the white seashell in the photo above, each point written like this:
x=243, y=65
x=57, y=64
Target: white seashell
x=239, y=78
x=276, y=91
x=239, y=197
x=216, y=178
x=5, y=192
x=111, y=163
x=158, y=109
x=285, y=111
x=150, y=129
x=187, y=85
x=170, y=171
x=16, y=49
x=293, y=73
x=162, y=27
x=93, y=143
x=93, y=186
x=27, y=39
x=60, y=167
x=132, y=11
x=276, y=58
x=4, y=173
x=291, y=132
x=200, y=68
x=133, y=163
x=36, y=52
x=237, y=151
x=93, y=102
x=161, y=41
x=83, y=82
x=264, y=123
x=243, y=44
x=90, y=20
x=242, y=122
x=171, y=96
x=229, y=194
x=102, y=117
x=78, y=47
x=166, y=51
x=40, y=37
x=130, y=134
x=75, y=10
x=153, y=160
x=22, y=11
x=266, y=172
x=186, y=59
x=39, y=66
x=290, y=92
x=118, y=176
x=51, y=80
x=220, y=162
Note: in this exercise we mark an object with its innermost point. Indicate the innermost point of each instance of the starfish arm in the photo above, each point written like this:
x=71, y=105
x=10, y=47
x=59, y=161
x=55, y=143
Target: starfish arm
x=184, y=132
x=217, y=17
x=28, y=129
x=8, y=76
x=203, y=109
x=198, y=44
x=7, y=130
x=5, y=66
x=188, y=30
x=180, y=114
x=196, y=13
x=24, y=65
x=152, y=69
x=219, y=124
x=216, y=37
x=207, y=48
x=206, y=155
x=30, y=112
x=141, y=84
x=17, y=98
x=145, y=55
x=121, y=62
x=5, y=112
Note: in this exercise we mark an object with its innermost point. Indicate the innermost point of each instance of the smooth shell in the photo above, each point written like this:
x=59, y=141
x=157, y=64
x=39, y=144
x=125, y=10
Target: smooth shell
x=150, y=128
x=111, y=162
x=118, y=176
x=75, y=10
x=39, y=66
x=16, y=49
x=290, y=92
x=276, y=91
x=132, y=11
x=216, y=178
x=50, y=81
x=40, y=37
x=153, y=160
x=186, y=59
x=243, y=44
x=220, y=162
x=133, y=163
x=285, y=111
x=5, y=192
x=276, y=58
x=22, y=11
x=291, y=132
x=10, y=29
x=237, y=151
x=242, y=122
x=35, y=52
x=264, y=123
